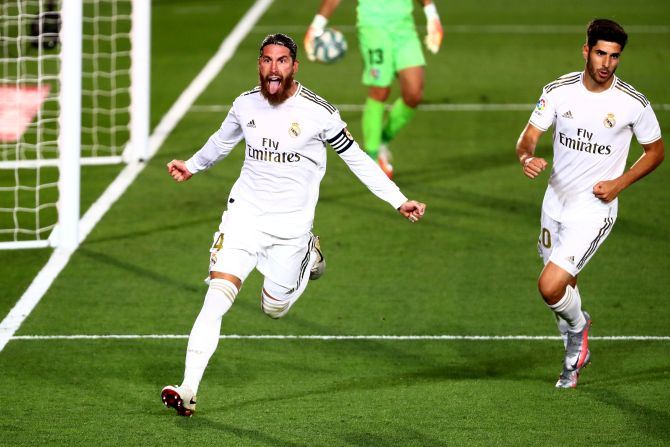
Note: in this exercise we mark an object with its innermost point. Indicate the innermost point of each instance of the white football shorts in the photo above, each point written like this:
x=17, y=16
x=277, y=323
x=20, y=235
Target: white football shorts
x=572, y=243
x=237, y=249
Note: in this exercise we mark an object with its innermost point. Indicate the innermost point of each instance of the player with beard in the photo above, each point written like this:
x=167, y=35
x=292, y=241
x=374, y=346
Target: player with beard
x=268, y=221
x=276, y=85
x=594, y=114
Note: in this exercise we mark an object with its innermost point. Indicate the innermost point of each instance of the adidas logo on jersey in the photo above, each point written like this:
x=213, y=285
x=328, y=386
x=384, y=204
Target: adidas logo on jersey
x=251, y=124
x=567, y=114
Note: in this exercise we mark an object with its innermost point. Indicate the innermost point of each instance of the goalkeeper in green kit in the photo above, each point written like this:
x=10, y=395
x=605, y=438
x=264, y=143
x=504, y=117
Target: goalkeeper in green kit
x=390, y=47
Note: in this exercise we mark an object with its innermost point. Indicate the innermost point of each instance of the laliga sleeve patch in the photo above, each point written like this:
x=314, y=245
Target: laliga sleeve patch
x=540, y=106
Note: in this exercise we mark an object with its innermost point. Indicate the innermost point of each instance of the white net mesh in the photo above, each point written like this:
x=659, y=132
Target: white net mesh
x=106, y=77
x=29, y=91
x=29, y=87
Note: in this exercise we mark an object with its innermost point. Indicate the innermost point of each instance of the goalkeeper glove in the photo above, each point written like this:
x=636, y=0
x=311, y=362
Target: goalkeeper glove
x=433, y=27
x=314, y=31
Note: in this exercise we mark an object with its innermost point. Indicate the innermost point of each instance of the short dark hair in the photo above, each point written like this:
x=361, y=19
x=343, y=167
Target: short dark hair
x=280, y=39
x=607, y=30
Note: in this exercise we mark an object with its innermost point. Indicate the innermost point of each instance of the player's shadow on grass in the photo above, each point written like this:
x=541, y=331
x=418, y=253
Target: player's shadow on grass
x=131, y=233
x=398, y=435
x=138, y=270
x=202, y=422
x=646, y=419
x=488, y=362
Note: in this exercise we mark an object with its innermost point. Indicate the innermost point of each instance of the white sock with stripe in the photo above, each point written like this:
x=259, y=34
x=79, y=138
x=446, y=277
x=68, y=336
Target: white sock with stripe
x=206, y=330
x=569, y=308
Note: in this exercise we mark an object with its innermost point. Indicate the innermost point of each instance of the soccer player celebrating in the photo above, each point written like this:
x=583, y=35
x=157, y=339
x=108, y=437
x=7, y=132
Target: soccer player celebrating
x=594, y=114
x=390, y=47
x=268, y=221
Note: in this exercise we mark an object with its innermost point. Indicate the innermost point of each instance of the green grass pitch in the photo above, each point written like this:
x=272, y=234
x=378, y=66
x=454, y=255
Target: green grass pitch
x=468, y=269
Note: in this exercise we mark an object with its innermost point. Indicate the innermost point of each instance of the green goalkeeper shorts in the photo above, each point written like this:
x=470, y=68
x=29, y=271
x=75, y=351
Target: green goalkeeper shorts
x=386, y=51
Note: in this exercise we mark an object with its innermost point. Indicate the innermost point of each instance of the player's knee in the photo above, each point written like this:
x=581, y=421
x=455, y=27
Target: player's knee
x=380, y=94
x=273, y=307
x=551, y=290
x=412, y=98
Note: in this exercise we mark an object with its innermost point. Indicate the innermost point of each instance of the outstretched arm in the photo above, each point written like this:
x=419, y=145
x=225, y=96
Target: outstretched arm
x=608, y=190
x=525, y=152
x=370, y=174
x=318, y=25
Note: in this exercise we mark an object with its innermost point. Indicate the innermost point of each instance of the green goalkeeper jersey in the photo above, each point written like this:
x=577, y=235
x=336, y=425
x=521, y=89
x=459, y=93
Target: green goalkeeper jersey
x=385, y=13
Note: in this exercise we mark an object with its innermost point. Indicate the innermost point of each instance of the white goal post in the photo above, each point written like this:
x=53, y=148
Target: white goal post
x=74, y=90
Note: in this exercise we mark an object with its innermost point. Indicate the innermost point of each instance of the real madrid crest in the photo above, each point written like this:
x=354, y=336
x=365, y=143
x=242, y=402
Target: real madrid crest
x=609, y=121
x=294, y=130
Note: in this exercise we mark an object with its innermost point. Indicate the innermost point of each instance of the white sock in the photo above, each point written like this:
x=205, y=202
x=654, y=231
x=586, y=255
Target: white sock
x=206, y=330
x=560, y=322
x=569, y=308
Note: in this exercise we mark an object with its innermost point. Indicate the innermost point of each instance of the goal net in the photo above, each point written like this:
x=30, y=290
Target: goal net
x=73, y=91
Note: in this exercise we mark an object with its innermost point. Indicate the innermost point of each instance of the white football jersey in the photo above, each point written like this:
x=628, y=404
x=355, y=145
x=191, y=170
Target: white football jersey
x=285, y=159
x=592, y=135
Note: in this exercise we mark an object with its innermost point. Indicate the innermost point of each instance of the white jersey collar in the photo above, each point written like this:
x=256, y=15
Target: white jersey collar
x=581, y=82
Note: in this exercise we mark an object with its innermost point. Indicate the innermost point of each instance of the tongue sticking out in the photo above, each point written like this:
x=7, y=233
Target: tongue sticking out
x=273, y=86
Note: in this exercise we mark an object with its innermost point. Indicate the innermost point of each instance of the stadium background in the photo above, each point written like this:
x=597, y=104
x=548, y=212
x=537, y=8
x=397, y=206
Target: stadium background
x=469, y=269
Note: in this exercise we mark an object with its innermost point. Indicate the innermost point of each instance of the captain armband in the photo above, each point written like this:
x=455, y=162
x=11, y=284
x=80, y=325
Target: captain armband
x=342, y=141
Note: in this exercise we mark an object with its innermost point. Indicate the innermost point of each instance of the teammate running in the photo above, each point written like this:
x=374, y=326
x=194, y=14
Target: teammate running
x=594, y=114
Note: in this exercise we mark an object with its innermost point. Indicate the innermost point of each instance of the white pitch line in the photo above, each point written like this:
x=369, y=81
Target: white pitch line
x=344, y=337
x=474, y=107
x=59, y=258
